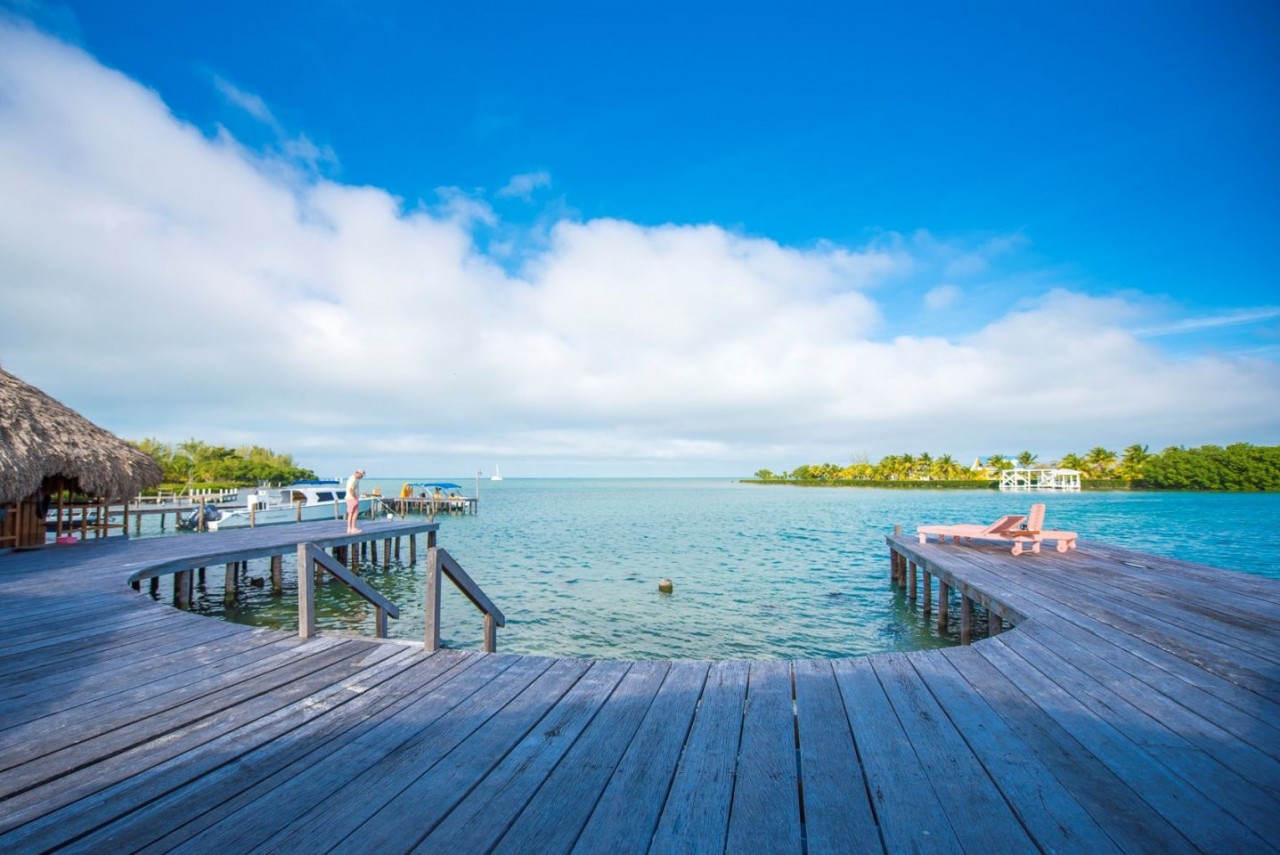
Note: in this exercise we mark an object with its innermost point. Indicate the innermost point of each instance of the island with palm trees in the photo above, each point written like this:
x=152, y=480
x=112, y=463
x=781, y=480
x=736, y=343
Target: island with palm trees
x=1237, y=467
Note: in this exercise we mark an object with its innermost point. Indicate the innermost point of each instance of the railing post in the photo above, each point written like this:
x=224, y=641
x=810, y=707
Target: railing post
x=490, y=634
x=432, y=605
x=306, y=594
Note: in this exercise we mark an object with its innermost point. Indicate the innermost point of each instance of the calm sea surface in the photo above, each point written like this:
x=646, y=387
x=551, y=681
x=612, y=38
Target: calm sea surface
x=759, y=572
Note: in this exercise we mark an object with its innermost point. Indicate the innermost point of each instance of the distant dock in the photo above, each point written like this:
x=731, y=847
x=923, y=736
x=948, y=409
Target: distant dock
x=1110, y=701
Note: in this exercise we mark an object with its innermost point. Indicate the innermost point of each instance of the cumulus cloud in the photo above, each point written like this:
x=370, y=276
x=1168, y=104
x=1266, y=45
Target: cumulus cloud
x=166, y=284
x=522, y=186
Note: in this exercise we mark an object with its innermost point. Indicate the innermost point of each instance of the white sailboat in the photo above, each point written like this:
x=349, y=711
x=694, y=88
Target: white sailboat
x=497, y=473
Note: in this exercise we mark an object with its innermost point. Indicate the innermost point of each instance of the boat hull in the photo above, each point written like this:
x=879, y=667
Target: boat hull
x=335, y=510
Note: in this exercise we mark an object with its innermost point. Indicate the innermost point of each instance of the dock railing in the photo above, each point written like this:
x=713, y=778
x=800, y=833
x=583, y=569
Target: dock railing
x=439, y=561
x=312, y=558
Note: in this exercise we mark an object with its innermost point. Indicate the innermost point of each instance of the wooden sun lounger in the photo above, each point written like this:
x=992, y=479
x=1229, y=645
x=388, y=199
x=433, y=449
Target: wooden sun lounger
x=1005, y=529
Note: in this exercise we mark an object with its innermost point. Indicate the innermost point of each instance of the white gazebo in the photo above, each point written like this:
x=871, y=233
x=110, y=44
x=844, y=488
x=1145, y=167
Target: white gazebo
x=1019, y=480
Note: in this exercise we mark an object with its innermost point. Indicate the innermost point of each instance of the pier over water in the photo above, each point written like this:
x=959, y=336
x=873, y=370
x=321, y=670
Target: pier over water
x=1122, y=702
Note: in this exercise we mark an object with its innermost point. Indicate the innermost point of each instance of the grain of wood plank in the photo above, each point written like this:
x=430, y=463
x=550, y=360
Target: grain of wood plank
x=1241, y=781
x=108, y=819
x=695, y=817
x=978, y=814
x=1051, y=814
x=78, y=771
x=1110, y=799
x=90, y=729
x=292, y=796
x=625, y=817
x=837, y=806
x=765, y=816
x=85, y=713
x=362, y=793
x=555, y=816
x=410, y=814
x=484, y=815
x=1060, y=615
x=910, y=816
x=255, y=766
x=1205, y=824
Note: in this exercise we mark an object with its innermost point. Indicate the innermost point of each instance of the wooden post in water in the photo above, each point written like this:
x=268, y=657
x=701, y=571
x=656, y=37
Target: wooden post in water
x=155, y=585
x=966, y=618
x=182, y=589
x=994, y=625
x=277, y=573
x=944, y=605
x=928, y=592
x=386, y=553
x=413, y=549
x=231, y=584
x=911, y=585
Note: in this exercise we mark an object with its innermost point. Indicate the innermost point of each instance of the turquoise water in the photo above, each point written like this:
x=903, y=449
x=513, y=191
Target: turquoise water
x=759, y=571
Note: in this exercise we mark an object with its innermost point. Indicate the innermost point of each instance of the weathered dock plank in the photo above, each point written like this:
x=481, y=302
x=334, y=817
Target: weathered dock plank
x=837, y=818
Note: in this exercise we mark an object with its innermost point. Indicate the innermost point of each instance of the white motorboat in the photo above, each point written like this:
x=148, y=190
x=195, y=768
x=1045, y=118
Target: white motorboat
x=302, y=501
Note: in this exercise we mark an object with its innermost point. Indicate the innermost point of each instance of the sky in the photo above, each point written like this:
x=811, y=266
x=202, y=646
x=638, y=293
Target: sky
x=665, y=239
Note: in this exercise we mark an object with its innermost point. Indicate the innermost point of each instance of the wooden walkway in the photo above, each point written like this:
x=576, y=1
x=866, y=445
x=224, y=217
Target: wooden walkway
x=1134, y=708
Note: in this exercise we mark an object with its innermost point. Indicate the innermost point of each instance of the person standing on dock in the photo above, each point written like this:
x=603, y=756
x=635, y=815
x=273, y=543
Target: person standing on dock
x=353, y=500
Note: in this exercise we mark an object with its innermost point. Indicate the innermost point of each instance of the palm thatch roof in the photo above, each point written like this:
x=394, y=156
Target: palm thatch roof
x=40, y=438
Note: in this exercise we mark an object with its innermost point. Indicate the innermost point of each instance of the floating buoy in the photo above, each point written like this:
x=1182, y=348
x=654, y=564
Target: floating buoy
x=665, y=586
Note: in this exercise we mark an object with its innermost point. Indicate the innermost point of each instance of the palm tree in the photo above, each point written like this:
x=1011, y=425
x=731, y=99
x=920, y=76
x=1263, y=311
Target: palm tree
x=944, y=468
x=1073, y=461
x=922, y=466
x=1100, y=461
x=1135, y=458
x=1025, y=459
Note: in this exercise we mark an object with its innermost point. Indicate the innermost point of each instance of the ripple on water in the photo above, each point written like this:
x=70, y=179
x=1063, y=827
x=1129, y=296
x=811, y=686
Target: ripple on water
x=759, y=572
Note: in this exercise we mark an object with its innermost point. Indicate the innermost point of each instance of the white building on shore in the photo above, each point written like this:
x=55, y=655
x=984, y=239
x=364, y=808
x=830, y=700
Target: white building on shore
x=1020, y=480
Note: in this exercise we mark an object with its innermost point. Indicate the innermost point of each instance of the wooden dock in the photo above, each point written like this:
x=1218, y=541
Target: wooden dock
x=1131, y=704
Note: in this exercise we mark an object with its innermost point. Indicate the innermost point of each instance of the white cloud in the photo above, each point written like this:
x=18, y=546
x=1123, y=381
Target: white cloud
x=522, y=186
x=166, y=284
x=942, y=297
x=296, y=148
x=1213, y=321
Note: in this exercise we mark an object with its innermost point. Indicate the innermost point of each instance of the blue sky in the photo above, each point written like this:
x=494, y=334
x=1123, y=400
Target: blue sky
x=1084, y=199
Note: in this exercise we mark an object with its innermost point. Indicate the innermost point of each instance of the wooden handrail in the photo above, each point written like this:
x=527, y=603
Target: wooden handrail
x=439, y=560
x=311, y=556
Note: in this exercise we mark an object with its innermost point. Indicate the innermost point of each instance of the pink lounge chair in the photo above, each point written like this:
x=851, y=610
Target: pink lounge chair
x=1007, y=528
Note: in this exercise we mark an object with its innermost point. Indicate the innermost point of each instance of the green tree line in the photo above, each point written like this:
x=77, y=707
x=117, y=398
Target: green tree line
x=197, y=462
x=1240, y=466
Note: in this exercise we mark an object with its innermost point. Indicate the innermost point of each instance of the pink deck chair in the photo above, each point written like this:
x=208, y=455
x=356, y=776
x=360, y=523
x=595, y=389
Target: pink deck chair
x=1007, y=528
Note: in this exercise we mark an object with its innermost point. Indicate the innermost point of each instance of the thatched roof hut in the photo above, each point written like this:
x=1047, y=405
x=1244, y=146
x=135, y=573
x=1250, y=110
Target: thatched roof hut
x=42, y=441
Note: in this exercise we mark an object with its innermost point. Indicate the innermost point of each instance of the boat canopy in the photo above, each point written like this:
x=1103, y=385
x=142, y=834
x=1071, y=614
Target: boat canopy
x=443, y=485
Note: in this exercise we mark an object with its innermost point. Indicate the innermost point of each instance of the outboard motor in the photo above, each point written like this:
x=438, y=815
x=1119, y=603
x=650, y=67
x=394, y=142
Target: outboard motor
x=192, y=520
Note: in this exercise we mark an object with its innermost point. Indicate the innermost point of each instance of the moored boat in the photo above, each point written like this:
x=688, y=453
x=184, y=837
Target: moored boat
x=301, y=501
